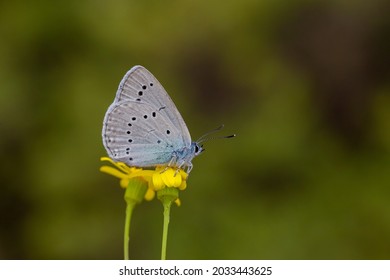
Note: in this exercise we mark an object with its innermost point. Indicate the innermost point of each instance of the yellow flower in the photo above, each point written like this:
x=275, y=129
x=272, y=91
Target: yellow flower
x=157, y=179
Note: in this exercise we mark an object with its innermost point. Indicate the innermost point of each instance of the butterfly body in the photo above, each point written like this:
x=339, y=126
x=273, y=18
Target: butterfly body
x=184, y=156
x=143, y=127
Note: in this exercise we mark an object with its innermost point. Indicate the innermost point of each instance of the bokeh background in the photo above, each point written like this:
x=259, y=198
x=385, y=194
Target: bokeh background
x=304, y=84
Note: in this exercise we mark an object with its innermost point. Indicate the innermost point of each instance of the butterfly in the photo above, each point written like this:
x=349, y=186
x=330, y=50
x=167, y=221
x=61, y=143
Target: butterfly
x=143, y=127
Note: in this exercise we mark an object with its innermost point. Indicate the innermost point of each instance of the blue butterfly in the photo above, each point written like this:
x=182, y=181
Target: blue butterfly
x=143, y=127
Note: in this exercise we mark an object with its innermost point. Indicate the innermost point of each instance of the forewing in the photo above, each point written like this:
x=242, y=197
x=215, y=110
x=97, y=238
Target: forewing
x=139, y=85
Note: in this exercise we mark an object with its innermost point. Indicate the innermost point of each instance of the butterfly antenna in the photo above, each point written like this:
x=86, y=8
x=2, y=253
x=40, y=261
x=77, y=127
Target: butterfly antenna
x=213, y=138
x=201, y=139
x=204, y=137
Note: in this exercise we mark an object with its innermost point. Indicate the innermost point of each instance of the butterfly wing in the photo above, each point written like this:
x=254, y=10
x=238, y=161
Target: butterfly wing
x=140, y=85
x=143, y=126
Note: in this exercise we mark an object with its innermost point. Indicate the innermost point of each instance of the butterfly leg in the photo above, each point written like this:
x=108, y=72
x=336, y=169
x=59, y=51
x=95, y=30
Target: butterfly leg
x=189, y=168
x=170, y=163
x=187, y=165
x=180, y=164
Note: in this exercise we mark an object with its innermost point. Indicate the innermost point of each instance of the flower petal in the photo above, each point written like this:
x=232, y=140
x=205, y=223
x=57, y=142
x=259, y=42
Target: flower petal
x=178, y=202
x=150, y=194
x=169, y=178
x=178, y=179
x=112, y=171
x=157, y=181
x=124, y=182
x=183, y=185
x=166, y=176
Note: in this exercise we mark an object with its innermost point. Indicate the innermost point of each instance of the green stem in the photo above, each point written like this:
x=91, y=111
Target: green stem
x=166, y=196
x=129, y=211
x=134, y=195
x=167, y=207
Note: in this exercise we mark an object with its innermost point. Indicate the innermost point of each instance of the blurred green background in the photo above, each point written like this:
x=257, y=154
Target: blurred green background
x=304, y=84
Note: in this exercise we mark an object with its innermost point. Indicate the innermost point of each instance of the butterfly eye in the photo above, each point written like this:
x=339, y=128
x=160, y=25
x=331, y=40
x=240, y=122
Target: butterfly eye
x=198, y=149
